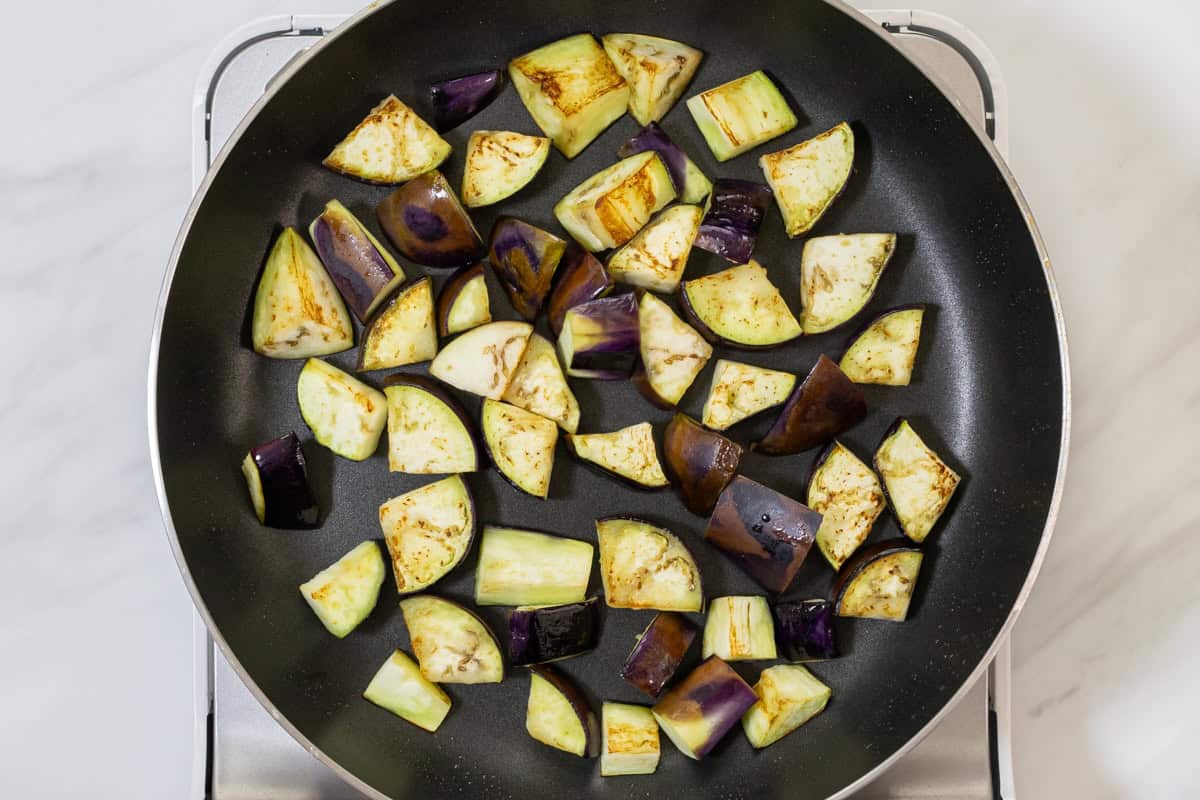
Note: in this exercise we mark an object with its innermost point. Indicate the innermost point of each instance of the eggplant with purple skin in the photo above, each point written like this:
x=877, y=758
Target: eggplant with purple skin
x=464, y=303
x=918, y=483
x=672, y=353
x=739, y=628
x=658, y=653
x=838, y=275
x=581, y=278
x=645, y=566
x=600, y=339
x=701, y=462
x=538, y=634
x=690, y=183
x=277, y=477
x=524, y=258
x=559, y=715
x=427, y=224
x=824, y=405
x=359, y=266
x=804, y=631
x=391, y=145
x=402, y=332
x=740, y=307
x=500, y=164
x=849, y=498
x=428, y=531
x=878, y=581
x=698, y=712
x=456, y=100
x=452, y=644
x=628, y=453
x=540, y=386
x=429, y=433
x=788, y=696
x=730, y=226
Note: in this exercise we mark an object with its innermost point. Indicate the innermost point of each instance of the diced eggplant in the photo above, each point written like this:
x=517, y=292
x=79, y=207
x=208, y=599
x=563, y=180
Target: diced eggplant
x=657, y=71
x=571, y=89
x=538, y=634
x=483, y=360
x=656, y=257
x=788, y=696
x=400, y=688
x=429, y=433
x=457, y=100
x=825, y=404
x=402, y=332
x=600, y=338
x=529, y=568
x=500, y=164
x=806, y=178
x=740, y=307
x=628, y=453
x=804, y=631
x=343, y=594
x=361, y=268
x=298, y=312
x=277, y=477
x=452, y=644
x=345, y=414
x=847, y=495
x=739, y=391
x=428, y=532
x=701, y=462
x=885, y=352
x=838, y=275
x=630, y=744
x=659, y=652
x=607, y=209
x=690, y=183
x=463, y=303
x=739, y=628
x=559, y=714
x=878, y=581
x=521, y=445
x=742, y=114
x=918, y=483
x=581, y=278
x=524, y=258
x=644, y=566
x=735, y=214
x=540, y=386
x=698, y=712
x=672, y=353
x=428, y=225
x=391, y=145
x=766, y=533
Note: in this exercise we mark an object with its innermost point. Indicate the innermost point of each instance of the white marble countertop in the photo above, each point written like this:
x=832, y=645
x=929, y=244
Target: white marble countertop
x=95, y=650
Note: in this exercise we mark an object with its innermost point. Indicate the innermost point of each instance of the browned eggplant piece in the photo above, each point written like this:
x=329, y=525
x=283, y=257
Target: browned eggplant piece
x=581, y=278
x=559, y=714
x=363, y=271
x=702, y=709
x=917, y=482
x=824, y=405
x=464, y=302
x=878, y=581
x=537, y=634
x=524, y=258
x=428, y=225
x=659, y=651
x=701, y=461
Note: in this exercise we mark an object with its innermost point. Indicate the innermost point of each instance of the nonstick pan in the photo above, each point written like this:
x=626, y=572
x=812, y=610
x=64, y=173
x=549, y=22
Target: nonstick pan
x=990, y=394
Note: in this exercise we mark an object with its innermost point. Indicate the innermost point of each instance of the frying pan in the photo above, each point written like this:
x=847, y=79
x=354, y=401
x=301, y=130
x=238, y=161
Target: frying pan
x=990, y=394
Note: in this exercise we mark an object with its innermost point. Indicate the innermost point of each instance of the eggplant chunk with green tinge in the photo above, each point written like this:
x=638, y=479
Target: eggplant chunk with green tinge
x=483, y=360
x=400, y=688
x=918, y=483
x=600, y=339
x=658, y=652
x=804, y=631
x=885, y=352
x=428, y=532
x=739, y=391
x=788, y=696
x=500, y=164
x=559, y=715
x=362, y=269
x=277, y=476
x=540, y=386
x=521, y=445
x=878, y=581
x=733, y=218
x=740, y=307
x=848, y=496
x=402, y=332
x=524, y=258
x=538, y=634
x=838, y=275
x=456, y=100
x=655, y=258
x=741, y=114
x=672, y=353
x=298, y=312
x=657, y=70
x=691, y=184
x=345, y=414
x=701, y=462
x=806, y=178
x=739, y=628
x=452, y=644
x=581, y=278
x=391, y=145
x=530, y=568
x=343, y=594
x=630, y=745
x=628, y=453
x=825, y=404
x=429, y=433
x=645, y=566
x=698, y=712
x=464, y=302
x=427, y=224
x=607, y=209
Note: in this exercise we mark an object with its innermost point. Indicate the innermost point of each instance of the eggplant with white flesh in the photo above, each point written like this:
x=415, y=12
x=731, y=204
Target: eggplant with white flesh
x=402, y=332
x=658, y=652
x=628, y=453
x=500, y=164
x=691, y=184
x=530, y=568
x=277, y=476
x=698, y=712
x=917, y=482
x=656, y=257
x=391, y=145
x=581, y=278
x=630, y=740
x=765, y=532
x=538, y=634
x=806, y=178
x=429, y=433
x=428, y=225
x=739, y=391
x=452, y=644
x=524, y=258
x=571, y=89
x=885, y=352
x=344, y=414
x=607, y=209
x=735, y=213
x=361, y=268
x=521, y=445
x=701, y=462
x=464, y=302
x=540, y=386
x=298, y=312
x=848, y=496
x=657, y=70
x=739, y=628
x=483, y=360
x=788, y=696
x=645, y=566
x=804, y=631
x=740, y=307
x=400, y=688
x=878, y=581
x=824, y=405
x=428, y=531
x=742, y=114
x=456, y=100
x=600, y=339
x=559, y=715
x=838, y=275
x=672, y=353
x=343, y=594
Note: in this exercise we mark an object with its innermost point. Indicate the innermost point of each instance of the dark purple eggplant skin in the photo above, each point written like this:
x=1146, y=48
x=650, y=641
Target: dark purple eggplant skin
x=653, y=137
x=804, y=631
x=552, y=633
x=619, y=351
x=735, y=214
x=450, y=291
x=439, y=391
x=658, y=653
x=862, y=558
x=823, y=406
x=579, y=703
x=288, y=499
x=712, y=691
x=456, y=100
x=700, y=462
x=428, y=225
x=581, y=278
x=766, y=533
x=354, y=264
x=524, y=258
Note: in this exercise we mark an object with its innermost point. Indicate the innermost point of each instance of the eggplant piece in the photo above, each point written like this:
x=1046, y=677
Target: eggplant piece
x=735, y=214
x=540, y=386
x=672, y=353
x=645, y=566
x=766, y=533
x=452, y=644
x=500, y=164
x=698, y=712
x=457, y=100
x=298, y=312
x=847, y=495
x=657, y=71
x=402, y=332
x=559, y=715
x=824, y=405
x=658, y=653
x=428, y=532
x=656, y=257
x=344, y=414
x=742, y=114
x=740, y=307
x=607, y=209
x=571, y=89
x=391, y=145
x=630, y=745
x=788, y=696
x=528, y=568
x=806, y=178
x=701, y=462
x=917, y=482
x=277, y=477
x=400, y=688
x=838, y=275
x=629, y=453
x=483, y=360
x=343, y=594
x=363, y=271
x=739, y=628
x=521, y=445
x=537, y=634
x=600, y=338
x=804, y=631
x=429, y=433
x=739, y=391
x=885, y=352
x=581, y=278
x=878, y=581
x=427, y=224
x=690, y=183
x=464, y=303
x=524, y=259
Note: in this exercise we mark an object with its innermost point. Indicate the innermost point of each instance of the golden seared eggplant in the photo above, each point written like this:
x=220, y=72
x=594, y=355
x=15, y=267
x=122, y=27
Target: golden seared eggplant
x=838, y=275
x=428, y=531
x=657, y=70
x=672, y=353
x=607, y=209
x=464, y=302
x=918, y=483
x=429, y=432
x=645, y=566
x=806, y=178
x=742, y=114
x=403, y=331
x=500, y=164
x=886, y=350
x=483, y=360
x=391, y=145
x=740, y=307
x=452, y=644
x=878, y=581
